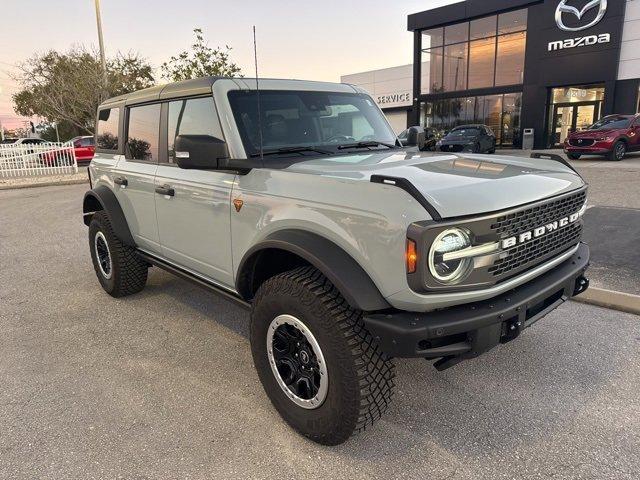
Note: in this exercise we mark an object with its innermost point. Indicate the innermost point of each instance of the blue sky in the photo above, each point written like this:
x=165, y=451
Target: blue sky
x=318, y=40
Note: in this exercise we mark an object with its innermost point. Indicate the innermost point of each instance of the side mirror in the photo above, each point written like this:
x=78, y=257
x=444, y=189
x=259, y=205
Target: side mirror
x=199, y=151
x=415, y=137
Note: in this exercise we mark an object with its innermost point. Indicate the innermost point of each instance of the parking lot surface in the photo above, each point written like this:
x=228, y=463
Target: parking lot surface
x=161, y=384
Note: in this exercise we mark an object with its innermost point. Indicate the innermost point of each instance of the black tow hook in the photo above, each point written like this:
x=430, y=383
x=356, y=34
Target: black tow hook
x=582, y=283
x=512, y=330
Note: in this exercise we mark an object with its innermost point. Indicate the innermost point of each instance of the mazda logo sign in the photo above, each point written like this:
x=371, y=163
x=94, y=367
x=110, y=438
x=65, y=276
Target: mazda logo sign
x=568, y=9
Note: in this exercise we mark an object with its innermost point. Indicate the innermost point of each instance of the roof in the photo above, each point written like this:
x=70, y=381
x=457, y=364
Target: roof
x=202, y=86
x=184, y=88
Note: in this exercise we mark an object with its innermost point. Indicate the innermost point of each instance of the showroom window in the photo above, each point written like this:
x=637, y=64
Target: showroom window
x=482, y=53
x=500, y=112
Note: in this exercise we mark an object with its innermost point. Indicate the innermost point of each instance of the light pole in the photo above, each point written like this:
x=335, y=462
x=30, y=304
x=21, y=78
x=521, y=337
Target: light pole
x=101, y=43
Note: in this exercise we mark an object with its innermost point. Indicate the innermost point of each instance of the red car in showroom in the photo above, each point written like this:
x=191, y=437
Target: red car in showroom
x=84, y=148
x=612, y=136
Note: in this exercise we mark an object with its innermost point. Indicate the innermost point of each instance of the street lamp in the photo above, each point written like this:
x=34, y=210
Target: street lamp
x=101, y=43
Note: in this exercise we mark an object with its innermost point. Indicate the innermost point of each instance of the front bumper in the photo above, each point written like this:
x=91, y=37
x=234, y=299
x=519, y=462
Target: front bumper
x=467, y=331
x=592, y=150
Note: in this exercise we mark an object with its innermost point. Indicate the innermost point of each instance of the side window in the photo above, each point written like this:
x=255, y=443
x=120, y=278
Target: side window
x=195, y=116
x=143, y=133
x=107, y=129
x=86, y=142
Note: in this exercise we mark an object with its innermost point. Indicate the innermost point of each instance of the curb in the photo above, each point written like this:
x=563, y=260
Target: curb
x=45, y=184
x=623, y=302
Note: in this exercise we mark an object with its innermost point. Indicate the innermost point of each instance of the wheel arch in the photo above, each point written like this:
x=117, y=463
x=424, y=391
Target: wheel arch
x=102, y=198
x=288, y=249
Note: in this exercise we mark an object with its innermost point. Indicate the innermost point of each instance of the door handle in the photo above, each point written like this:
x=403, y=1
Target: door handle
x=123, y=182
x=166, y=190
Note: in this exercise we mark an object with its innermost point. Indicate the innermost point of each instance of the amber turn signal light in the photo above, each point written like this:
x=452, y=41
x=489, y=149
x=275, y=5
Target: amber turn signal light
x=412, y=256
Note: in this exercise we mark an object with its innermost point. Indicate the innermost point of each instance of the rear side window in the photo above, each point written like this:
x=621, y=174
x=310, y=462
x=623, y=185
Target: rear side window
x=86, y=142
x=107, y=129
x=143, y=132
x=195, y=116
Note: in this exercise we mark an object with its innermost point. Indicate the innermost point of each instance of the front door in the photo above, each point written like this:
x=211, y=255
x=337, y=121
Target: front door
x=194, y=206
x=572, y=117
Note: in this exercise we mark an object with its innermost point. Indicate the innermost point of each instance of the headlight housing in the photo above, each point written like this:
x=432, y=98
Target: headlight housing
x=450, y=272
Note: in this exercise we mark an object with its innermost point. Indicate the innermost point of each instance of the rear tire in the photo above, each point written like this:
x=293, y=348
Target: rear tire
x=118, y=268
x=619, y=151
x=358, y=377
x=574, y=156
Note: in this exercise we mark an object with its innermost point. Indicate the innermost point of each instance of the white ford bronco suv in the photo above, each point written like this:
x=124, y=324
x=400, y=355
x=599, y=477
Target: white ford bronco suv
x=296, y=200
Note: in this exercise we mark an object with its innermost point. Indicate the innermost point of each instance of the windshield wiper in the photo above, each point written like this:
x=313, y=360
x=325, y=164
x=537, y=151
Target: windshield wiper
x=301, y=150
x=367, y=144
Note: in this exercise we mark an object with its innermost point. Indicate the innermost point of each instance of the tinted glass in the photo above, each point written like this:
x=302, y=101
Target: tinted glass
x=307, y=119
x=432, y=63
x=510, y=64
x=143, y=133
x=511, y=118
x=107, y=129
x=456, y=33
x=613, y=122
x=483, y=27
x=86, y=142
x=465, y=132
x=455, y=67
x=432, y=38
x=482, y=63
x=196, y=116
x=7, y=141
x=512, y=21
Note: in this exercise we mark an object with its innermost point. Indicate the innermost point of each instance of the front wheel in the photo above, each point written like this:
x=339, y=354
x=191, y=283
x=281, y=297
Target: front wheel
x=118, y=268
x=619, y=151
x=318, y=364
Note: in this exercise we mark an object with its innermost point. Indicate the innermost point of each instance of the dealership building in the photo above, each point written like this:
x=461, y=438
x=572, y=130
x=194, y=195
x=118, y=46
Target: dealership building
x=553, y=66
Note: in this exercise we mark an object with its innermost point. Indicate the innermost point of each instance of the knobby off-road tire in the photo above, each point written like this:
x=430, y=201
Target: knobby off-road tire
x=360, y=378
x=122, y=273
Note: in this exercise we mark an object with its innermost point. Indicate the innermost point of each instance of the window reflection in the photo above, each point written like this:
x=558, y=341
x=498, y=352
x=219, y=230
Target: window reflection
x=456, y=33
x=512, y=22
x=510, y=66
x=455, y=67
x=482, y=57
x=483, y=27
x=433, y=58
x=142, y=133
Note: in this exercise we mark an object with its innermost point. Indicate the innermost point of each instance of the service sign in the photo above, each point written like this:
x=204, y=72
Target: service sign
x=394, y=99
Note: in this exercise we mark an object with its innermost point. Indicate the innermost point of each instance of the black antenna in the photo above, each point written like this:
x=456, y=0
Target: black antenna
x=255, y=56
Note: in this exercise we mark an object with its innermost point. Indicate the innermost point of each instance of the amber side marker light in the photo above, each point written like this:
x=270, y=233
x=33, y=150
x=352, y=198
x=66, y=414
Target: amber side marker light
x=412, y=256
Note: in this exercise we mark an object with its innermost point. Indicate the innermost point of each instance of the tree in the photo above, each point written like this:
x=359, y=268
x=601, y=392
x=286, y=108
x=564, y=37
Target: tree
x=68, y=87
x=200, y=61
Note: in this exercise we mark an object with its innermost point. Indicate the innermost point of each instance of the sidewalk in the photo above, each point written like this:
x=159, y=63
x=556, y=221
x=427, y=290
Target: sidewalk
x=44, y=181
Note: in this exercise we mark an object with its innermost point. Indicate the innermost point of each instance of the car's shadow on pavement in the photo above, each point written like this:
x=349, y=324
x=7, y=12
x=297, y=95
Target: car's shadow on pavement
x=531, y=392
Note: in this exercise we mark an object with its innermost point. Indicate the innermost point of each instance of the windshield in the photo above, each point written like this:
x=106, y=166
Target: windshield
x=9, y=140
x=326, y=121
x=464, y=132
x=611, y=123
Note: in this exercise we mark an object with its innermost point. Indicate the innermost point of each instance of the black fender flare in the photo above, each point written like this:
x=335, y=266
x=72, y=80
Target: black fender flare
x=103, y=197
x=337, y=265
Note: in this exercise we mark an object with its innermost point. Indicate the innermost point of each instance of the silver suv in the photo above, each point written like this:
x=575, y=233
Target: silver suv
x=298, y=202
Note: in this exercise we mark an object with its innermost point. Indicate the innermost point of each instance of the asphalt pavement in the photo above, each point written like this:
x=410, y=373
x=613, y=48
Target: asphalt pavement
x=161, y=384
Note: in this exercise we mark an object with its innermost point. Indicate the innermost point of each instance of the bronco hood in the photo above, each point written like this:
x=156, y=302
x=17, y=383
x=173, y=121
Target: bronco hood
x=456, y=184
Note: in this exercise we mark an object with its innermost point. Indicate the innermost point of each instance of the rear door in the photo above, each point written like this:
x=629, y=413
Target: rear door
x=134, y=174
x=634, y=134
x=194, y=218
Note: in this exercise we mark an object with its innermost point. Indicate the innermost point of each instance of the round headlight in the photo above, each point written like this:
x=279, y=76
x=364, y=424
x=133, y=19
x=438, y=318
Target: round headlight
x=449, y=272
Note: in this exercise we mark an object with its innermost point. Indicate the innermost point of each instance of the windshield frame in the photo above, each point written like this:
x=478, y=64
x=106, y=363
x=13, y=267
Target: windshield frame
x=375, y=119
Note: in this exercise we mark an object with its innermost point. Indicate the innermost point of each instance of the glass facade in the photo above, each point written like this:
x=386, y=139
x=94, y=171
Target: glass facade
x=500, y=112
x=482, y=53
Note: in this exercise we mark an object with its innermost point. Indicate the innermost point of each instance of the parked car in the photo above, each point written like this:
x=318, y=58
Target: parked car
x=612, y=136
x=430, y=139
x=468, y=138
x=23, y=141
x=348, y=249
x=84, y=148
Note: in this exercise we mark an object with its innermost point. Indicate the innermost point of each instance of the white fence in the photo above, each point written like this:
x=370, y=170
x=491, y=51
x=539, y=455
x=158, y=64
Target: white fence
x=37, y=159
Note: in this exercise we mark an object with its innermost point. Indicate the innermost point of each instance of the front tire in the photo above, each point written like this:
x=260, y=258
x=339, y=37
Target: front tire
x=118, y=268
x=299, y=318
x=619, y=151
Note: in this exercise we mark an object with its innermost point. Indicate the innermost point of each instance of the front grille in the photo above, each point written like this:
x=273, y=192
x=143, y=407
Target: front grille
x=539, y=249
x=581, y=142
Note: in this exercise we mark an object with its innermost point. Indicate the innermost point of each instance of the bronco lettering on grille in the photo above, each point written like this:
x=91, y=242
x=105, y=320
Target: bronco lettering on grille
x=540, y=231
